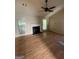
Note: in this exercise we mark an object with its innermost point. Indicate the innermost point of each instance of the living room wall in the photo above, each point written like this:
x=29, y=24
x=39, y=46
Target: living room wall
x=28, y=15
x=29, y=21
x=56, y=22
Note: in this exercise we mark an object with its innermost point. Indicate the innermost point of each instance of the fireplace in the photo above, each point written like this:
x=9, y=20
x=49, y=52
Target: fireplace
x=36, y=29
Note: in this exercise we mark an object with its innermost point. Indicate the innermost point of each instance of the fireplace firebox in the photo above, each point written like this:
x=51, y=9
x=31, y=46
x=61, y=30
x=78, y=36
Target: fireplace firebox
x=36, y=29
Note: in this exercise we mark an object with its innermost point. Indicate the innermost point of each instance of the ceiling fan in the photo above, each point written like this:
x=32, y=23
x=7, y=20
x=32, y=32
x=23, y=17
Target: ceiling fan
x=48, y=9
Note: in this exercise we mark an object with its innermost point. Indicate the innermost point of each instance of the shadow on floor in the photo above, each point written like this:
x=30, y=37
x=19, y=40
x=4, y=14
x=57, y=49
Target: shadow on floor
x=52, y=40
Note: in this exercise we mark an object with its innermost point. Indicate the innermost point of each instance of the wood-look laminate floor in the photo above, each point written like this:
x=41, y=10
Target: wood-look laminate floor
x=41, y=46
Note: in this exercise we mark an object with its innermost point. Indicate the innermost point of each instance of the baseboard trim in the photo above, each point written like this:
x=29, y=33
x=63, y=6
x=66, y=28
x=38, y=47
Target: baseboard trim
x=57, y=33
x=22, y=35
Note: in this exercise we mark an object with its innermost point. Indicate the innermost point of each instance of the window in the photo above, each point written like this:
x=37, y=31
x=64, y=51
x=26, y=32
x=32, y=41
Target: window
x=44, y=24
x=21, y=25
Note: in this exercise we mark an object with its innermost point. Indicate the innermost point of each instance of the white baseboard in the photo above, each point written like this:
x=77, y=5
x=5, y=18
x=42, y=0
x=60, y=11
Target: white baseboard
x=23, y=35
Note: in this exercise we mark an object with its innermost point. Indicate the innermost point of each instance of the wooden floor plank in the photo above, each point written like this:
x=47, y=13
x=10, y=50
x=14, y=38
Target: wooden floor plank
x=41, y=46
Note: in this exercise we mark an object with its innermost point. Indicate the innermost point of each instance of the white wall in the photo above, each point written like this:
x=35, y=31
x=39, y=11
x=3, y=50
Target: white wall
x=56, y=22
x=30, y=21
x=26, y=13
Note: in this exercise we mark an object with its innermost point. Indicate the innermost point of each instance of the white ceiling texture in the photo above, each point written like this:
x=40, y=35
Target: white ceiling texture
x=33, y=7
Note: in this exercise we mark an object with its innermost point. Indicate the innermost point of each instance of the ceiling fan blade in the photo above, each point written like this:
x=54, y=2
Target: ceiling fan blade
x=50, y=10
x=52, y=7
x=43, y=7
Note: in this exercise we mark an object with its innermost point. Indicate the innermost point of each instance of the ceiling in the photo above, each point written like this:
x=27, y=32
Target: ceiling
x=33, y=7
